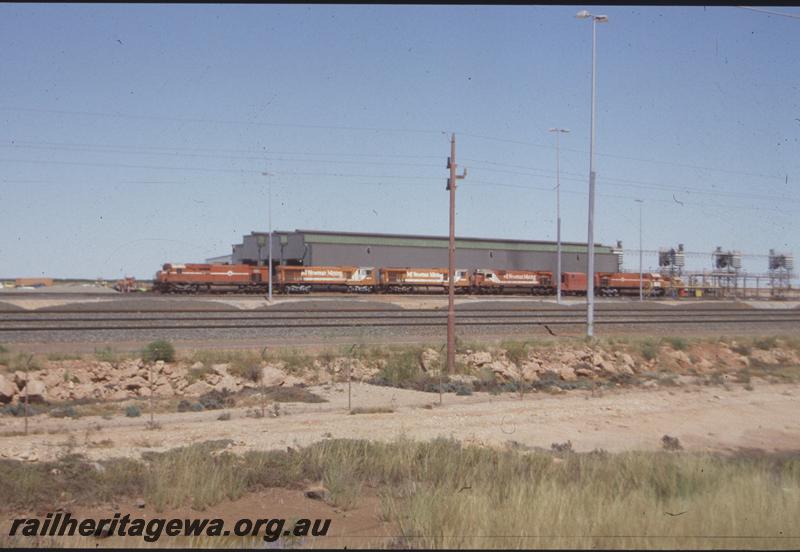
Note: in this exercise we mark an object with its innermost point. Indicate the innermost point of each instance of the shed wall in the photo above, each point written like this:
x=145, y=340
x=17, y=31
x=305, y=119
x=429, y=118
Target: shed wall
x=311, y=249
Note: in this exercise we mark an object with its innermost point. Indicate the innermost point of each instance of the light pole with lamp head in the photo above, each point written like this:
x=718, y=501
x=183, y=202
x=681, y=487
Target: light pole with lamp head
x=641, y=293
x=559, y=132
x=583, y=14
x=269, y=245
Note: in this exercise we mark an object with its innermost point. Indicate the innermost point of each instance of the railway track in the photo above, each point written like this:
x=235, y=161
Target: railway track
x=188, y=320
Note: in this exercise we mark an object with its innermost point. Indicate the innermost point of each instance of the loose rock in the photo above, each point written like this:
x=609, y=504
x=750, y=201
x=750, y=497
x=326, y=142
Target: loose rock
x=318, y=493
x=7, y=390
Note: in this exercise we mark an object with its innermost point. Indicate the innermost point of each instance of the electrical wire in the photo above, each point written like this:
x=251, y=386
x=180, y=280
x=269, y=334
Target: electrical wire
x=762, y=10
x=548, y=173
x=628, y=158
x=222, y=121
x=375, y=129
x=342, y=175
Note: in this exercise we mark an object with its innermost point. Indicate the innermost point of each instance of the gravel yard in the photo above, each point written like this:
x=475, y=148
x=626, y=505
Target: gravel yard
x=703, y=418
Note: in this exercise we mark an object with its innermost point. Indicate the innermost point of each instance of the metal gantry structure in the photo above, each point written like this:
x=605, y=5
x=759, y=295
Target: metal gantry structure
x=779, y=269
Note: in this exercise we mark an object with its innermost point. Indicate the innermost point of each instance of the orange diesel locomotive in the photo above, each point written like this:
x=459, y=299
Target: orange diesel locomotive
x=240, y=278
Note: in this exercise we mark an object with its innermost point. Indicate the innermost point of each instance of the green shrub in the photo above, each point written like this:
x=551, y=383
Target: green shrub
x=106, y=354
x=677, y=343
x=649, y=349
x=247, y=367
x=55, y=357
x=159, y=350
x=516, y=351
x=401, y=368
x=766, y=343
x=25, y=362
x=243, y=364
x=562, y=447
x=133, y=411
x=294, y=393
x=667, y=380
x=743, y=376
x=372, y=410
x=214, y=400
x=64, y=412
x=294, y=361
x=197, y=374
x=18, y=410
x=741, y=349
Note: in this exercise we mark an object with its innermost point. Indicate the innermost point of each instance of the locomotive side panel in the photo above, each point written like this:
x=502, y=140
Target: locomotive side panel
x=404, y=280
x=497, y=281
x=627, y=283
x=573, y=283
x=304, y=278
x=195, y=277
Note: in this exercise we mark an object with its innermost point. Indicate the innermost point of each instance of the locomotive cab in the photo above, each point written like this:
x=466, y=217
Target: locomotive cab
x=362, y=273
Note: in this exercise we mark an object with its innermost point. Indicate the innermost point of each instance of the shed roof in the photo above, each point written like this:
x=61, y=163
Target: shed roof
x=416, y=240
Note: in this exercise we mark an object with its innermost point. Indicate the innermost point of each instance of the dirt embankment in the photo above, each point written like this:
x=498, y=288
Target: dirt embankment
x=545, y=365
x=714, y=418
x=616, y=395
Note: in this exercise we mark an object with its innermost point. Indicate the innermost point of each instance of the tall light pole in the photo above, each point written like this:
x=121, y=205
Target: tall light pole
x=583, y=14
x=559, y=132
x=269, y=243
x=641, y=293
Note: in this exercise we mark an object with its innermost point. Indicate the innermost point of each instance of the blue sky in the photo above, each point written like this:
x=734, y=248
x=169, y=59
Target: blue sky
x=131, y=135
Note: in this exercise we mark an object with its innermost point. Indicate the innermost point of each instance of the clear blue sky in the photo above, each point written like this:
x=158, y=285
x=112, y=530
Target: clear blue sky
x=131, y=135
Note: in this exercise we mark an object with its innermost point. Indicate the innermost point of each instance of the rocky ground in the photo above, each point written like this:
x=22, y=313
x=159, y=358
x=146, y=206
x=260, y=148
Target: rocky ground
x=622, y=394
x=59, y=381
x=707, y=418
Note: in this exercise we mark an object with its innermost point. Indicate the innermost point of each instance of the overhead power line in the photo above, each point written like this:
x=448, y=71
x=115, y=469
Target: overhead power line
x=264, y=157
x=373, y=129
x=694, y=253
x=222, y=121
x=629, y=158
x=762, y=10
x=267, y=156
x=341, y=175
x=264, y=151
x=612, y=181
x=630, y=197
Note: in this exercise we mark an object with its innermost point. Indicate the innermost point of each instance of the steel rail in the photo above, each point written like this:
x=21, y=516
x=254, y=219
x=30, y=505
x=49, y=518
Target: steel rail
x=389, y=324
x=576, y=309
x=393, y=315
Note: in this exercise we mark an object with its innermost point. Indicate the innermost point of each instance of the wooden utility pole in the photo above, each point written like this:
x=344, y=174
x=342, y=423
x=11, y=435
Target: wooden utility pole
x=451, y=257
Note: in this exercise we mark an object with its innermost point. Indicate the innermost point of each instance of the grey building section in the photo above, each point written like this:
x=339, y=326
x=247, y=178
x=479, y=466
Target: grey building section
x=222, y=259
x=320, y=248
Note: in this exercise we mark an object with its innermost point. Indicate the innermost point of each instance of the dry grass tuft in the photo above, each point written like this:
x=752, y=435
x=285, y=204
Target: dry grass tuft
x=372, y=410
x=444, y=494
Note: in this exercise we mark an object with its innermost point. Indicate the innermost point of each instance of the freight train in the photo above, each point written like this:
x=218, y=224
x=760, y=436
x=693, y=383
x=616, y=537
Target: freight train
x=241, y=278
